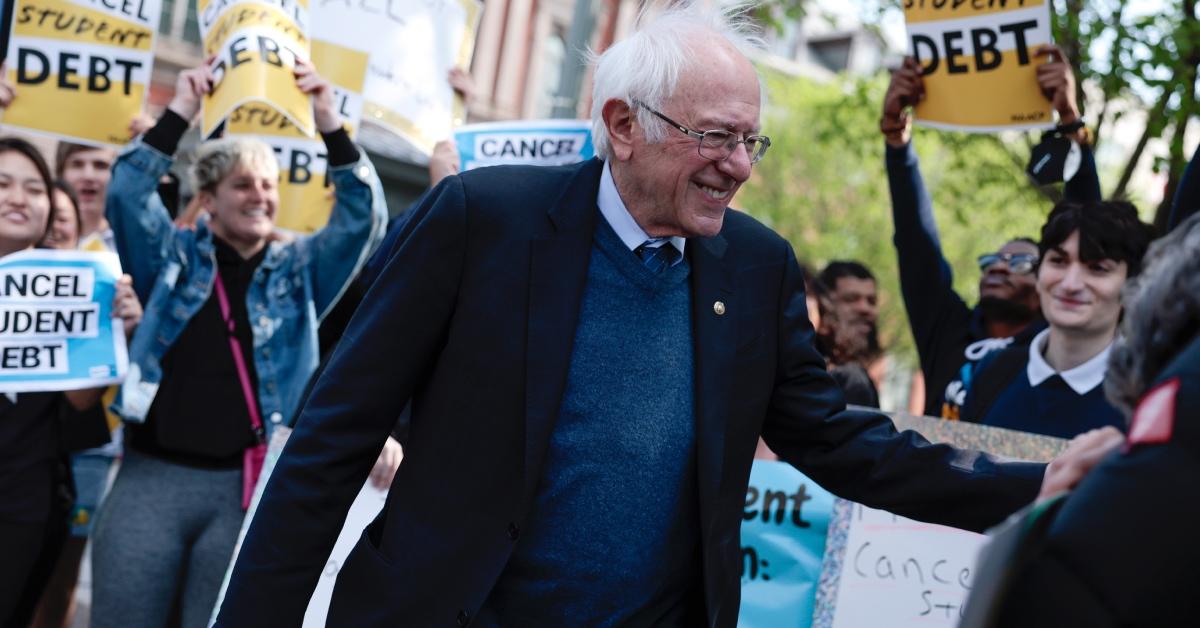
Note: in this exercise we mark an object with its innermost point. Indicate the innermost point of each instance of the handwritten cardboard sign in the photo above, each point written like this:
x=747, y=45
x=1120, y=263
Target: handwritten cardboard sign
x=881, y=569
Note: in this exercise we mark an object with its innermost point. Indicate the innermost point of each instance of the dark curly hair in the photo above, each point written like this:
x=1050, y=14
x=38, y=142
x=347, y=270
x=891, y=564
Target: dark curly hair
x=1107, y=230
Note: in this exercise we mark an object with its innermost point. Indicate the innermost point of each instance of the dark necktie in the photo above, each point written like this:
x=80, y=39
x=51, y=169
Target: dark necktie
x=658, y=258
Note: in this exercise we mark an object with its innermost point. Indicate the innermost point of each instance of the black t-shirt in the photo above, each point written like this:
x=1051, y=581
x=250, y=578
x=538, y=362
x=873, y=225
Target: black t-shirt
x=199, y=416
x=30, y=444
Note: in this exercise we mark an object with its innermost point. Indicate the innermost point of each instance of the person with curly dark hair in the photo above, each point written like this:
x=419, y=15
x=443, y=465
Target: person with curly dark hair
x=1119, y=550
x=1088, y=250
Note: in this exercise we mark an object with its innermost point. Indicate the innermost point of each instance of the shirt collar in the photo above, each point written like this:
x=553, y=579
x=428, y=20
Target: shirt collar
x=1081, y=379
x=614, y=211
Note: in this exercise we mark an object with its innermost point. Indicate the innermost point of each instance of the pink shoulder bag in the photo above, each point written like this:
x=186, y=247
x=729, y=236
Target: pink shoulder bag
x=252, y=458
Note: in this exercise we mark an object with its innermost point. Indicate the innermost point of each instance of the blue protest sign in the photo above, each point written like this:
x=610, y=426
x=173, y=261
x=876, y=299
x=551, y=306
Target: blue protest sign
x=56, y=325
x=784, y=523
x=527, y=142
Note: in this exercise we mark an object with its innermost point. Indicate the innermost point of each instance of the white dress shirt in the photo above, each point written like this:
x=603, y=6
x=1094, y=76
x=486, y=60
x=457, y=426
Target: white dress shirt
x=1081, y=379
x=614, y=211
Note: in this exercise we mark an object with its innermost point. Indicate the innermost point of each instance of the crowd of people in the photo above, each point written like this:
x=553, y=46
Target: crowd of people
x=532, y=339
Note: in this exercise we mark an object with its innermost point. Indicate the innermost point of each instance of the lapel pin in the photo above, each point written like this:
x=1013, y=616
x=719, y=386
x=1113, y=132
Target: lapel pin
x=719, y=308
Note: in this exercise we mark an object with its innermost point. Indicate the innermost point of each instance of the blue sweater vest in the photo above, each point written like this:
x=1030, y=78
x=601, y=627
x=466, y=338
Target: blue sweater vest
x=613, y=536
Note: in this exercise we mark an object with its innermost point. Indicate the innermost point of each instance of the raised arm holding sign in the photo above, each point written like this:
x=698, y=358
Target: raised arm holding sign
x=977, y=63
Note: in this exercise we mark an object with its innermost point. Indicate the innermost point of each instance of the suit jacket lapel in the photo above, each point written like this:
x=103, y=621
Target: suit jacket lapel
x=713, y=344
x=557, y=278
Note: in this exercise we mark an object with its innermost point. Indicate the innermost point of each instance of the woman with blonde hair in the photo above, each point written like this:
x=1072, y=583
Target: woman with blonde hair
x=229, y=341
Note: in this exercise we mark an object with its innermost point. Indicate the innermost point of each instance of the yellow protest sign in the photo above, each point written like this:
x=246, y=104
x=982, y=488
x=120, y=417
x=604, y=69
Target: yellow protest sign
x=256, y=44
x=305, y=193
x=977, y=60
x=81, y=67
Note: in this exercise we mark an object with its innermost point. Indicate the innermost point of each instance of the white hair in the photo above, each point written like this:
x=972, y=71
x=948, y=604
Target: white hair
x=216, y=159
x=646, y=65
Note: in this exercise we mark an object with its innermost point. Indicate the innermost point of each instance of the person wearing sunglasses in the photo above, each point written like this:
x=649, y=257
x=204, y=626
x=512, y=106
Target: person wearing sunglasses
x=1088, y=251
x=951, y=337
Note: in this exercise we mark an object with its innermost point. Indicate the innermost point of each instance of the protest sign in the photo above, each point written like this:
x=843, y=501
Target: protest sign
x=414, y=45
x=881, y=569
x=56, y=325
x=255, y=44
x=81, y=68
x=529, y=142
x=898, y=572
x=978, y=65
x=305, y=193
x=784, y=523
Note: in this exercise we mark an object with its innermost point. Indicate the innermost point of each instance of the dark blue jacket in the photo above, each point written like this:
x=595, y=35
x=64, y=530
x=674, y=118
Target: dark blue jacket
x=473, y=318
x=943, y=326
x=1122, y=551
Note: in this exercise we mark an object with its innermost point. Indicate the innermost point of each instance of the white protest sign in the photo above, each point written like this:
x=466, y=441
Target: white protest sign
x=414, y=45
x=901, y=572
x=56, y=325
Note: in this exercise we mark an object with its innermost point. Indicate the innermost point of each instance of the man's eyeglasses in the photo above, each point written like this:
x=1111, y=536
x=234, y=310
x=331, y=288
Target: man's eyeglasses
x=1019, y=263
x=718, y=144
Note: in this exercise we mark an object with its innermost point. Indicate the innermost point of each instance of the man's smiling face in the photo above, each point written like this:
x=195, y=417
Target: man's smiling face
x=669, y=188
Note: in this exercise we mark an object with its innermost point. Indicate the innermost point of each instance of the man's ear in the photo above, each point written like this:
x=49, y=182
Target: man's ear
x=620, y=120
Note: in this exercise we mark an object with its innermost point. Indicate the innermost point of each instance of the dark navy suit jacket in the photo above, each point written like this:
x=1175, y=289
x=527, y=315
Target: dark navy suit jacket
x=473, y=319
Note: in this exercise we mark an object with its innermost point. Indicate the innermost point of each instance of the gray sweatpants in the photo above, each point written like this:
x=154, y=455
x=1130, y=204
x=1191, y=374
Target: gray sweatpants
x=164, y=530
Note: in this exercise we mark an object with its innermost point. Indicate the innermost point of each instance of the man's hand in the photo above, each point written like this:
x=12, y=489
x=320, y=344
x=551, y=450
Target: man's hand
x=1084, y=452
x=385, y=467
x=325, y=112
x=906, y=90
x=190, y=88
x=8, y=91
x=1057, y=82
x=444, y=161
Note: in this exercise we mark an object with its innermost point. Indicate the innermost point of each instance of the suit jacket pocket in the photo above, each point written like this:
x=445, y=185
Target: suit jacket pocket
x=364, y=583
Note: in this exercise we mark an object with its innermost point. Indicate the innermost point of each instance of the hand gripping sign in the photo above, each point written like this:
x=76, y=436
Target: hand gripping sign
x=57, y=330
x=976, y=58
x=81, y=67
x=255, y=44
x=305, y=193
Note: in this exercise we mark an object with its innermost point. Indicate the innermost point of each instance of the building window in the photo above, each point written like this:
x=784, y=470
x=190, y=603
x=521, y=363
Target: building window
x=167, y=21
x=191, y=24
x=554, y=55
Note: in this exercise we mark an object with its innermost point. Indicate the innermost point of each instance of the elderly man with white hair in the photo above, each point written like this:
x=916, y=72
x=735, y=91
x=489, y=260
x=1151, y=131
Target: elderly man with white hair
x=591, y=352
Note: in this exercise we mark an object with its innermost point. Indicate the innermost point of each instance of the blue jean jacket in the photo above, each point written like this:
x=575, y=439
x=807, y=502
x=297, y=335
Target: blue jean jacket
x=293, y=288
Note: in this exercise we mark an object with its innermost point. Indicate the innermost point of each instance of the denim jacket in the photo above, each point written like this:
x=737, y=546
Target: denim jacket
x=293, y=288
